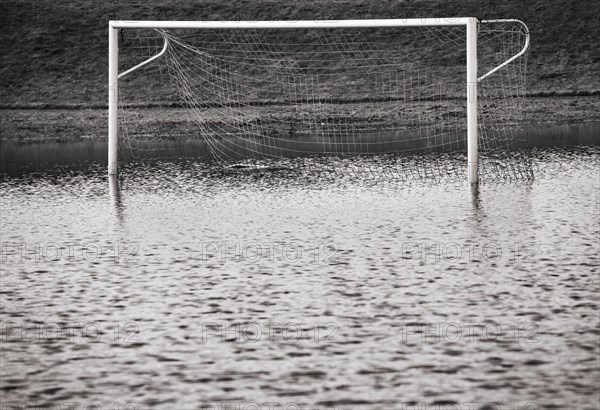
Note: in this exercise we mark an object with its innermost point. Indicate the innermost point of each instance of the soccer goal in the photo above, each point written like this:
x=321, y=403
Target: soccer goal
x=246, y=92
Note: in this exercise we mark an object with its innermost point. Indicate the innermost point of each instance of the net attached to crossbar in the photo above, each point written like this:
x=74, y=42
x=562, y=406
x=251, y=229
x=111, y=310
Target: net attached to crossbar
x=253, y=98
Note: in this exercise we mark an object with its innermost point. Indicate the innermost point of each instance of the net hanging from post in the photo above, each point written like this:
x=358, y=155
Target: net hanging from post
x=255, y=97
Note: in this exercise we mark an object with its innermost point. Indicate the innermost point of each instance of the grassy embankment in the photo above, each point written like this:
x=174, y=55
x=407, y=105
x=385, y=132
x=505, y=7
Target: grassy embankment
x=54, y=59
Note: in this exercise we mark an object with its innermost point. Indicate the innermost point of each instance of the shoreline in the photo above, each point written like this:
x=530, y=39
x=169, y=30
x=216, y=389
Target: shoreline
x=177, y=104
x=61, y=124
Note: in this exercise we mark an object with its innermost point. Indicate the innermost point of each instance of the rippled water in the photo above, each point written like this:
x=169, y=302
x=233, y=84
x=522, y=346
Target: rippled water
x=178, y=287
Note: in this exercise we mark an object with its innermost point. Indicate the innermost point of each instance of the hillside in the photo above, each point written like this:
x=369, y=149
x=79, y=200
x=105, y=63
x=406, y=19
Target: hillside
x=55, y=52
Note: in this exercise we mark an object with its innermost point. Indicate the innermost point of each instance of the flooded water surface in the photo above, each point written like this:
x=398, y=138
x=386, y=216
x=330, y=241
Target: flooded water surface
x=176, y=286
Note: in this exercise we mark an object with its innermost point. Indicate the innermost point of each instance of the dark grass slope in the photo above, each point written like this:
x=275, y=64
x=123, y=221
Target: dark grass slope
x=54, y=53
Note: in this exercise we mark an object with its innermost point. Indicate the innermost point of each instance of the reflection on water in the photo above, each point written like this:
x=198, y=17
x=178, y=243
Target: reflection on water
x=16, y=157
x=115, y=196
x=178, y=286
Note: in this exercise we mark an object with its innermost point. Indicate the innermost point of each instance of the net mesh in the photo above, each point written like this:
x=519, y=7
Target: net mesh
x=257, y=98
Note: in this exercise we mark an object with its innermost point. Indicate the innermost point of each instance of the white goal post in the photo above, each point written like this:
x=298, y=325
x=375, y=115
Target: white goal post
x=471, y=82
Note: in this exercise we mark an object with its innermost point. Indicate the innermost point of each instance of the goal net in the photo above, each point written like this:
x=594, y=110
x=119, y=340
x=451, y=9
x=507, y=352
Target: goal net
x=267, y=97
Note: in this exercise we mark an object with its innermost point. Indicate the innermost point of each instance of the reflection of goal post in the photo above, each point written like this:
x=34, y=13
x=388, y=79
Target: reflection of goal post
x=229, y=95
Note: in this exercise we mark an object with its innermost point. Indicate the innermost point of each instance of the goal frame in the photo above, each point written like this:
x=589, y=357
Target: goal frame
x=471, y=24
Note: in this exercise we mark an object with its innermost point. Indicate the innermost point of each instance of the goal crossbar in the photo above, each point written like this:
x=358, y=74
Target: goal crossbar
x=453, y=21
x=472, y=79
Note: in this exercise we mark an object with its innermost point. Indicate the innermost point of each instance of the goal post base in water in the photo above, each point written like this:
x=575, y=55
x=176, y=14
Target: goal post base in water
x=311, y=93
